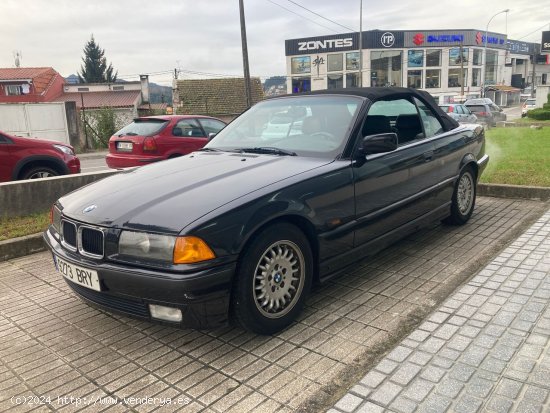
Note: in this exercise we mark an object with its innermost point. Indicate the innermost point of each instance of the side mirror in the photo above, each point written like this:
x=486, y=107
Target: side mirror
x=380, y=143
x=211, y=135
x=177, y=132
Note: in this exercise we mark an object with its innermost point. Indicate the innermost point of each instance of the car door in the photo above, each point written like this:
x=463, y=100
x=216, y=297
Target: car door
x=6, y=161
x=391, y=188
x=183, y=137
x=460, y=113
x=211, y=125
x=468, y=116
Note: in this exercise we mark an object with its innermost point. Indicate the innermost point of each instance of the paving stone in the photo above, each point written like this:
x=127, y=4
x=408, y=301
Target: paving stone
x=385, y=393
x=348, y=403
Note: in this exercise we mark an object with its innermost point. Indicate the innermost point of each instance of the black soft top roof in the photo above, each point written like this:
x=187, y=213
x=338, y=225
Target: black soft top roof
x=385, y=93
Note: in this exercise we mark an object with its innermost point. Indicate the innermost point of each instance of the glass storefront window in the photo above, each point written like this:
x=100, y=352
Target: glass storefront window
x=335, y=62
x=433, y=77
x=386, y=68
x=454, y=77
x=414, y=79
x=352, y=79
x=476, y=77
x=491, y=67
x=352, y=61
x=478, y=56
x=301, y=84
x=454, y=56
x=433, y=58
x=335, y=81
x=415, y=58
x=300, y=65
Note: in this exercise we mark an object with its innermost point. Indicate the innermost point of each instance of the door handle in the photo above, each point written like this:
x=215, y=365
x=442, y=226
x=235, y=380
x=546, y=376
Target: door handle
x=428, y=156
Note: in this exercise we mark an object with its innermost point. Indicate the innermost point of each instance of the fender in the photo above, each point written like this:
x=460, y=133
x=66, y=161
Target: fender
x=59, y=165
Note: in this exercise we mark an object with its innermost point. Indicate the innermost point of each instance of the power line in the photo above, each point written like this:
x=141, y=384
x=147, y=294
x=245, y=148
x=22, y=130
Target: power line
x=322, y=17
x=534, y=31
x=303, y=17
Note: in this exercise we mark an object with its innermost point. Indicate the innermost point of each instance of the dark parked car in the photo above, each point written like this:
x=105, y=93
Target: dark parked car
x=155, y=138
x=31, y=158
x=488, y=113
x=459, y=112
x=245, y=225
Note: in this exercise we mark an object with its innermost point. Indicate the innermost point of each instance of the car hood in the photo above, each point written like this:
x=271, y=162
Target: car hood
x=169, y=195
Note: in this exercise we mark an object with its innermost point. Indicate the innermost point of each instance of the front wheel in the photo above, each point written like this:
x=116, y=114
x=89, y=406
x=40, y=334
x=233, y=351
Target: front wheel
x=273, y=278
x=464, y=198
x=39, y=172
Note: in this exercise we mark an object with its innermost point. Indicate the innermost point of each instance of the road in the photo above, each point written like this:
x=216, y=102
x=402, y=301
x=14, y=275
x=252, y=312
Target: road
x=60, y=353
x=93, y=163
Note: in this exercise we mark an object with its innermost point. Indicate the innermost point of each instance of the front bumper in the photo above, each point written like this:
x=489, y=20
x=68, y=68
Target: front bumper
x=202, y=296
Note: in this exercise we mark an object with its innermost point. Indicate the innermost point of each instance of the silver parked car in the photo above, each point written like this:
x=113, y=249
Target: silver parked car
x=459, y=112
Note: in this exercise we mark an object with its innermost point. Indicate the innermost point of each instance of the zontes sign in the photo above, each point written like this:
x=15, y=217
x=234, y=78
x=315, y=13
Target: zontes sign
x=325, y=44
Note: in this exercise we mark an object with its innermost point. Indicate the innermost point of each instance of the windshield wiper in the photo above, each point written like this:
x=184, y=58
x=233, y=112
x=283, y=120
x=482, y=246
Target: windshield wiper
x=209, y=150
x=268, y=150
x=127, y=134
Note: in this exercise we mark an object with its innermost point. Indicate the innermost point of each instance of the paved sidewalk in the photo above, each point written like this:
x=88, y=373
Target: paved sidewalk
x=486, y=349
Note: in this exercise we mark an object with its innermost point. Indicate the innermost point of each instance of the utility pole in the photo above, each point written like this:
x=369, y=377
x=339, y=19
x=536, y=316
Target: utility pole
x=461, y=72
x=361, y=43
x=175, y=92
x=245, y=57
x=533, y=73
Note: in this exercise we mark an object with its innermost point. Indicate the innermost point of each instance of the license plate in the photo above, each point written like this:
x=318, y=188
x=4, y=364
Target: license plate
x=79, y=275
x=124, y=146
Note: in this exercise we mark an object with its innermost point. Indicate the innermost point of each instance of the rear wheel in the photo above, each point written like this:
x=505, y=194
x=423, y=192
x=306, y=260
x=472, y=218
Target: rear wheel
x=464, y=198
x=39, y=172
x=273, y=279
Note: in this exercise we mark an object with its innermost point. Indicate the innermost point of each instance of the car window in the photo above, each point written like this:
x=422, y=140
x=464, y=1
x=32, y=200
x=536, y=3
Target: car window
x=143, y=127
x=211, y=125
x=188, y=128
x=400, y=115
x=495, y=108
x=458, y=109
x=445, y=108
x=466, y=110
x=317, y=125
x=432, y=125
x=477, y=108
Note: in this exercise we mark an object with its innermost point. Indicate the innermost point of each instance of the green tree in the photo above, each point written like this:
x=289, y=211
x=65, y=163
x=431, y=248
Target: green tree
x=95, y=69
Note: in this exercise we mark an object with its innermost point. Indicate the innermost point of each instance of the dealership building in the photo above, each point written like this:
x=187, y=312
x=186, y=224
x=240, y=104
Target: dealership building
x=429, y=60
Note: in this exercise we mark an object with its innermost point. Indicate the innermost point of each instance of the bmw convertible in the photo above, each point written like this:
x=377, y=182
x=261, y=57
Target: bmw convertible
x=241, y=229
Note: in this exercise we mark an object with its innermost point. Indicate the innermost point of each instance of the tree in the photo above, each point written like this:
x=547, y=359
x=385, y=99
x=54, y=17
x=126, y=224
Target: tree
x=95, y=69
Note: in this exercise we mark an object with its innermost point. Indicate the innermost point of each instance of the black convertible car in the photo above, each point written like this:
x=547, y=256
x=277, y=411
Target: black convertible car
x=290, y=193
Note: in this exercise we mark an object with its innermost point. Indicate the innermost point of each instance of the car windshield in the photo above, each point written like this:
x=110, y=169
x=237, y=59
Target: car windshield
x=302, y=125
x=143, y=127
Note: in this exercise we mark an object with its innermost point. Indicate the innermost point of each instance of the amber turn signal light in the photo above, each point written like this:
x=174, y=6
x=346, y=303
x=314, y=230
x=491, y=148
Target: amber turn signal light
x=188, y=250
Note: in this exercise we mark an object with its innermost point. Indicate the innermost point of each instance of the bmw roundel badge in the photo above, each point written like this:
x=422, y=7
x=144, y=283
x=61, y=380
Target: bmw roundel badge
x=89, y=208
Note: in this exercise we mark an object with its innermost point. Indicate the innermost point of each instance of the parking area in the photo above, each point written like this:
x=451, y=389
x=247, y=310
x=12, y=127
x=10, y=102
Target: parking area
x=59, y=354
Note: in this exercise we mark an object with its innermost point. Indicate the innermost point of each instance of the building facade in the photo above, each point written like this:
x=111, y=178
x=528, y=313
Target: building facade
x=430, y=60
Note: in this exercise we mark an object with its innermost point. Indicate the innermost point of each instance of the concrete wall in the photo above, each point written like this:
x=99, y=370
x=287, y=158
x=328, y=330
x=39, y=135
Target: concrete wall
x=21, y=198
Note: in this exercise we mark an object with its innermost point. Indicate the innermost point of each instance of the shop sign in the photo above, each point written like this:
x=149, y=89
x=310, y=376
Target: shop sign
x=545, y=44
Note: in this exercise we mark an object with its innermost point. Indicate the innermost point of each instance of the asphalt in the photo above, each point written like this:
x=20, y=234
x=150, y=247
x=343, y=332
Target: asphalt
x=485, y=349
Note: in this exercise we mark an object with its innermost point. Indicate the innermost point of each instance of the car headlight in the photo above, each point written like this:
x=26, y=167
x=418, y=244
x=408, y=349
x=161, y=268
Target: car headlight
x=64, y=149
x=167, y=248
x=55, y=218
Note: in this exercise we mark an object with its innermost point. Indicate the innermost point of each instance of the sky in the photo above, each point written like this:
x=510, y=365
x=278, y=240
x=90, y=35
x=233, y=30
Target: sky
x=156, y=37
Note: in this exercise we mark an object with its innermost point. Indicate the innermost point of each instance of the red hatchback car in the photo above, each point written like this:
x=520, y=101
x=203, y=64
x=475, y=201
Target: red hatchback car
x=30, y=158
x=154, y=138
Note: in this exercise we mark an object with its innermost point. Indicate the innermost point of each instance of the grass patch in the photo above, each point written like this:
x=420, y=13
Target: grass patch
x=531, y=121
x=518, y=156
x=21, y=226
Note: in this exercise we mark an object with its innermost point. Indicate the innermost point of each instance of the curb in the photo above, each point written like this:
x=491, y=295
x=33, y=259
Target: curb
x=538, y=193
x=18, y=247
x=92, y=155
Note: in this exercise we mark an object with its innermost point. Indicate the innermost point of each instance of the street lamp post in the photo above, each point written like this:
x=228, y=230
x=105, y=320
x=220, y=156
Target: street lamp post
x=485, y=47
x=360, y=43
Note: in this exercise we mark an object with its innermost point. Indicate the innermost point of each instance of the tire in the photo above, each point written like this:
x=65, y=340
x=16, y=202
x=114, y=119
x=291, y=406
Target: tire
x=274, y=255
x=464, y=198
x=39, y=172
